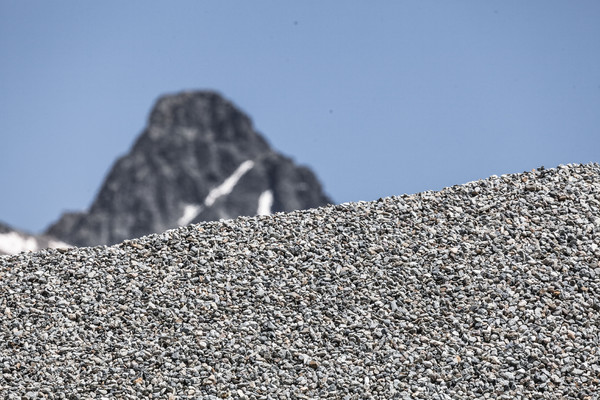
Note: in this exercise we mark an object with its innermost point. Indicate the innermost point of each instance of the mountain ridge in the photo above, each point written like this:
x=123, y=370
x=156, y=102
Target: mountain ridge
x=13, y=240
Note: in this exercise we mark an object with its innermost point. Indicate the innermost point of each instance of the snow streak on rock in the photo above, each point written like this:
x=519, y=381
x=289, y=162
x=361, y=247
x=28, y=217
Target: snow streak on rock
x=190, y=211
x=265, y=201
x=227, y=186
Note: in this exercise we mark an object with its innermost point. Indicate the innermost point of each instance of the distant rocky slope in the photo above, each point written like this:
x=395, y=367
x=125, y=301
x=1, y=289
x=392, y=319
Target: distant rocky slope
x=14, y=241
x=198, y=159
x=490, y=289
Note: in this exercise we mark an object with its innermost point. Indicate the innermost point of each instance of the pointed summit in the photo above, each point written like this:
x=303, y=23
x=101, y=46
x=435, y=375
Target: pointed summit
x=198, y=159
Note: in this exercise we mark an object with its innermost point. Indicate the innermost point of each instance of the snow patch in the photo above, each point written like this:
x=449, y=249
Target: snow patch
x=13, y=243
x=228, y=184
x=190, y=211
x=265, y=201
x=57, y=244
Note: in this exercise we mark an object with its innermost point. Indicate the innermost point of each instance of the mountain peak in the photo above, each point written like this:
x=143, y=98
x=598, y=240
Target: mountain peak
x=198, y=159
x=204, y=112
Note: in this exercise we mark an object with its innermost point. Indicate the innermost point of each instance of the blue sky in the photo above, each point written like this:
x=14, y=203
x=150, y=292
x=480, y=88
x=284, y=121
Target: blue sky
x=380, y=98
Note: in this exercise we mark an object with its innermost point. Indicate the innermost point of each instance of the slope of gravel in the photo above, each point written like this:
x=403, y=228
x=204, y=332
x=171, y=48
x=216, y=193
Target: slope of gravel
x=485, y=290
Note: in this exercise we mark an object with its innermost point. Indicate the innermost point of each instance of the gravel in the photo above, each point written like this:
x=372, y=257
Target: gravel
x=484, y=290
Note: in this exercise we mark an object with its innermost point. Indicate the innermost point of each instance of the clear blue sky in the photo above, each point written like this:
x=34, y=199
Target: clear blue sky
x=379, y=97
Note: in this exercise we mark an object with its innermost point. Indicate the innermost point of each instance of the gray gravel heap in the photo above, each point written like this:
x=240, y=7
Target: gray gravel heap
x=485, y=290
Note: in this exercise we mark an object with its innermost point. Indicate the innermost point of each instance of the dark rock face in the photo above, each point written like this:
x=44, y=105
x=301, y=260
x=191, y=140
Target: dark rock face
x=5, y=228
x=198, y=159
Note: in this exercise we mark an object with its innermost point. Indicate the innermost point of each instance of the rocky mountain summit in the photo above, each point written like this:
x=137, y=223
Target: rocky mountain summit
x=198, y=159
x=487, y=290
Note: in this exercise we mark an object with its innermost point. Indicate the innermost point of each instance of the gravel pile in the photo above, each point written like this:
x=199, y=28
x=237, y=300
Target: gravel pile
x=485, y=290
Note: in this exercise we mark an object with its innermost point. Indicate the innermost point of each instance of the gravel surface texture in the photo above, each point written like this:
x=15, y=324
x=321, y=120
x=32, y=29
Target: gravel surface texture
x=484, y=290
